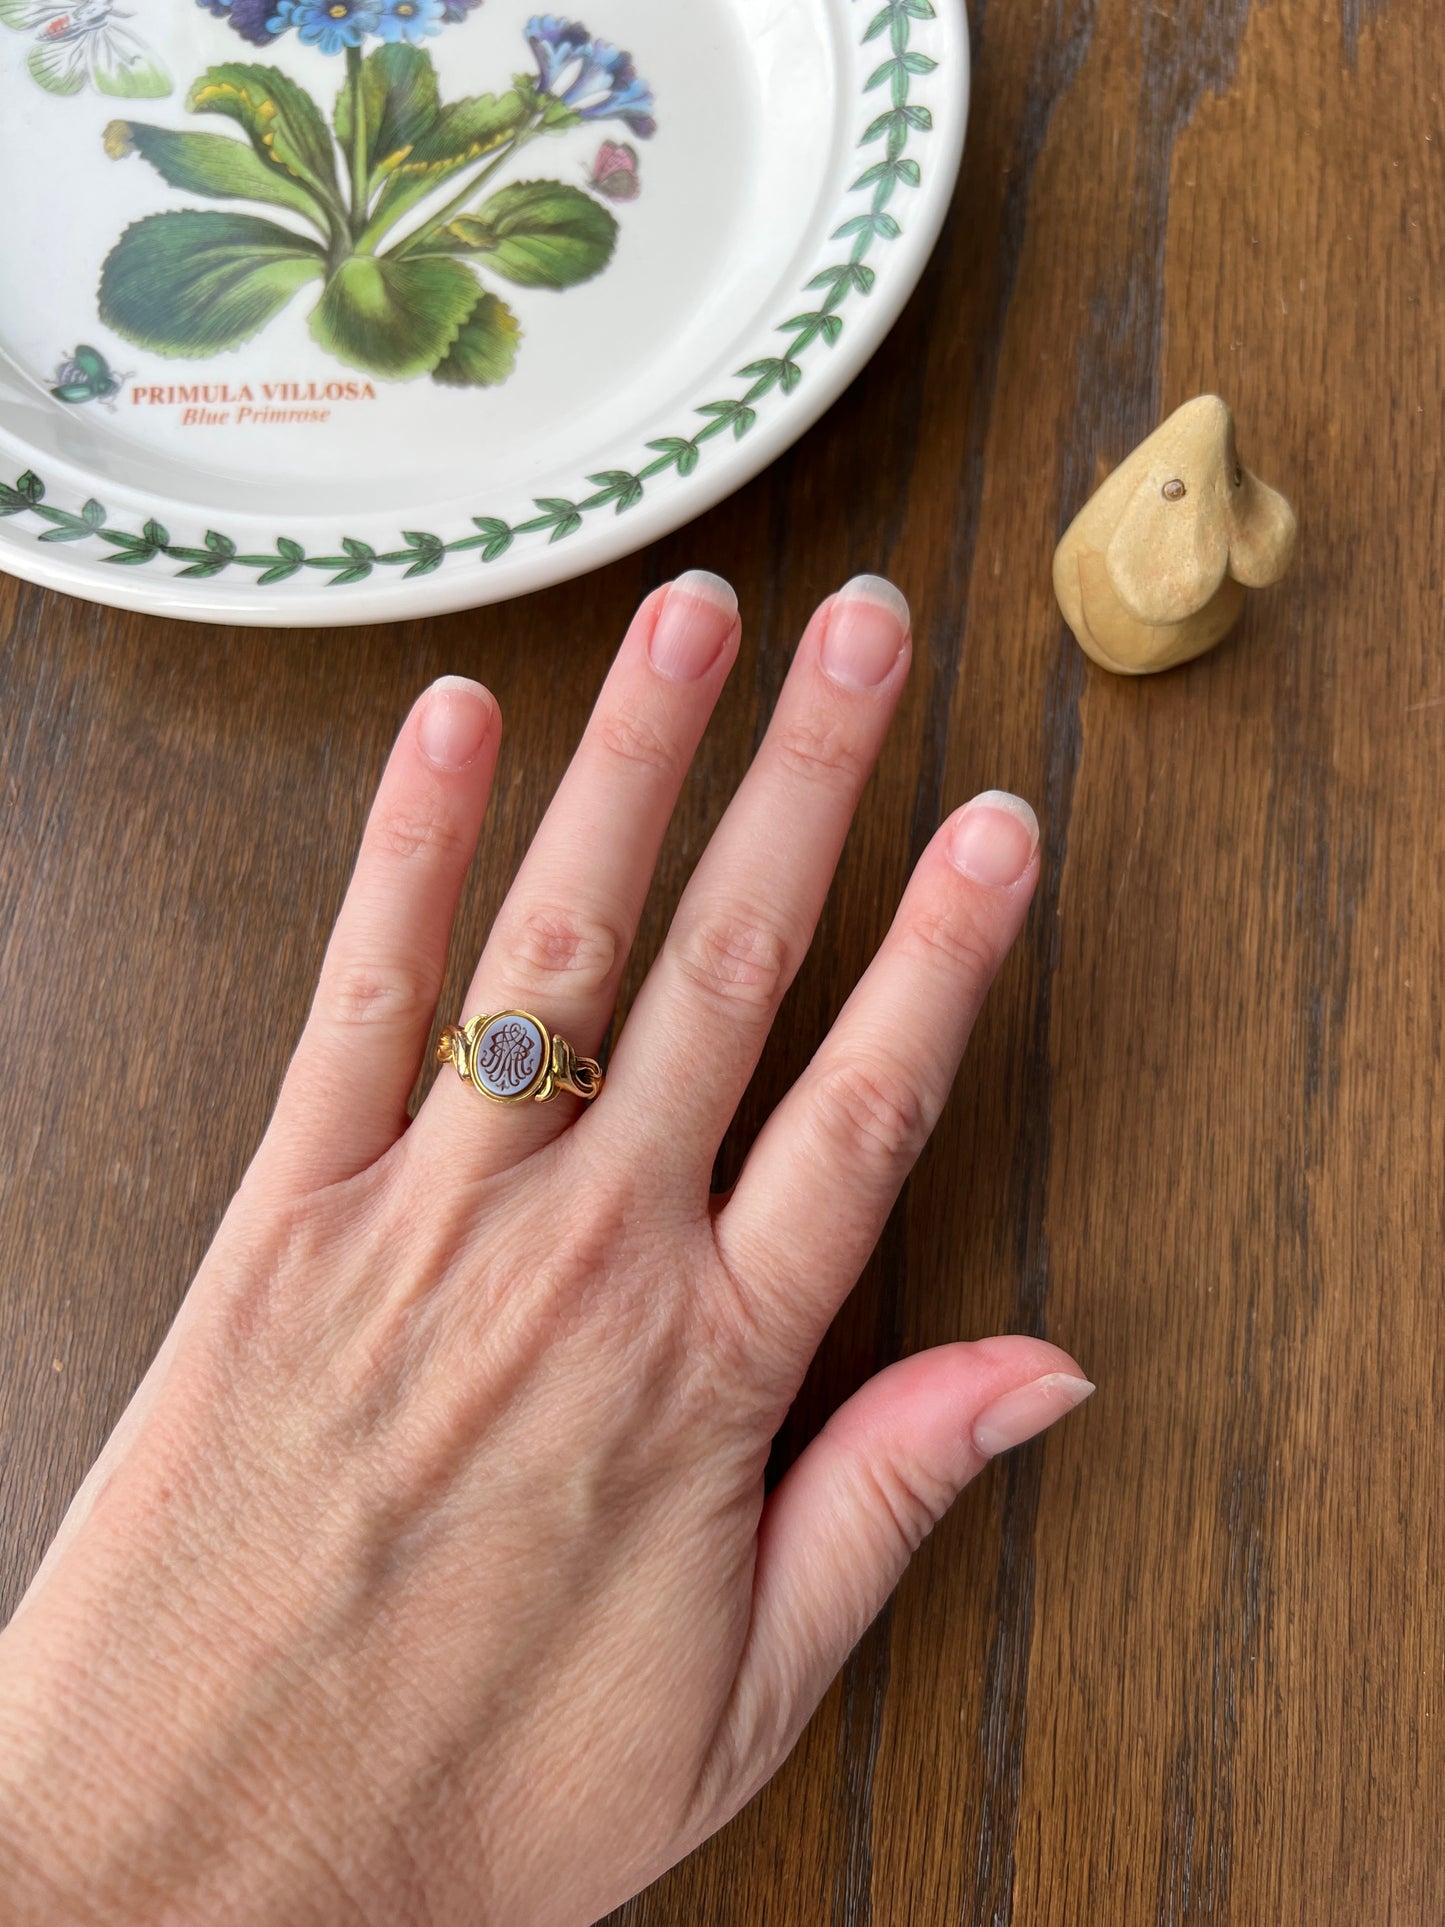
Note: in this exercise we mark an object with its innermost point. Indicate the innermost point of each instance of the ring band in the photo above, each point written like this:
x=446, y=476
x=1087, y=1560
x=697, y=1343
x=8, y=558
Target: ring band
x=511, y=1056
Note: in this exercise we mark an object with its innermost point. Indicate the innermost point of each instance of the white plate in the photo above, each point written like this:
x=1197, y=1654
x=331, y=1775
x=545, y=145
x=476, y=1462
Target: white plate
x=202, y=415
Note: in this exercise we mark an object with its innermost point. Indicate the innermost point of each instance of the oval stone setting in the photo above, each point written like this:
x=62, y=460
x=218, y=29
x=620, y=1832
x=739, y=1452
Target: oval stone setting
x=508, y=1057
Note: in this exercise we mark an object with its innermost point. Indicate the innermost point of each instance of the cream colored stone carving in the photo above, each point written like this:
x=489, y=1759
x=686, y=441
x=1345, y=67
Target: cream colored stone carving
x=1154, y=567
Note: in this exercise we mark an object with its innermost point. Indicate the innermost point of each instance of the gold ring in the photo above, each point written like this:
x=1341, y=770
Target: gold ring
x=511, y=1056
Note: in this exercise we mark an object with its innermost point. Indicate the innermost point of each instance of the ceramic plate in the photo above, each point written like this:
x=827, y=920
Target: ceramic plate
x=322, y=311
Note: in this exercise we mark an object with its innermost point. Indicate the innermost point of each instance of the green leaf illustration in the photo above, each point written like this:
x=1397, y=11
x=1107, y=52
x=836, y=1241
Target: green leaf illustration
x=391, y=317
x=559, y=515
x=194, y=282
x=280, y=119
x=734, y=414
x=556, y=116
x=400, y=102
x=214, y=164
x=465, y=131
x=497, y=536
x=75, y=528
x=674, y=451
x=539, y=234
x=484, y=351
x=883, y=224
x=424, y=552
x=27, y=492
x=219, y=551
x=617, y=485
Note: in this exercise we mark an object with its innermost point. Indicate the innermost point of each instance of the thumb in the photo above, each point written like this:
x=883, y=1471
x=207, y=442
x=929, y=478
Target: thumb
x=849, y=1514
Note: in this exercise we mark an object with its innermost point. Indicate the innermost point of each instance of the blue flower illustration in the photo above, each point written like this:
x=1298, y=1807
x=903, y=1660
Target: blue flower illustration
x=454, y=10
x=556, y=44
x=410, y=20
x=327, y=24
x=596, y=80
x=250, y=18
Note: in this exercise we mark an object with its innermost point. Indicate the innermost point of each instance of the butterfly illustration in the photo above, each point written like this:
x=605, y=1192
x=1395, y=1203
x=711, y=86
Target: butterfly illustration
x=87, y=376
x=614, y=172
x=84, y=43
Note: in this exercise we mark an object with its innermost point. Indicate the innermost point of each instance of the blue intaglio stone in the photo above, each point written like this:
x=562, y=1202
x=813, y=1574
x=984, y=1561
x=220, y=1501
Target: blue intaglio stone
x=508, y=1058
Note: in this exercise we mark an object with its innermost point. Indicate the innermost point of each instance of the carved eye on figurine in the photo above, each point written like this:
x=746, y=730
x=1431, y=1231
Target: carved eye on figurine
x=1154, y=567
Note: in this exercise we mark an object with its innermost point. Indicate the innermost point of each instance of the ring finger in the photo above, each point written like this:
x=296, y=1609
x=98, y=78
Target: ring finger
x=562, y=936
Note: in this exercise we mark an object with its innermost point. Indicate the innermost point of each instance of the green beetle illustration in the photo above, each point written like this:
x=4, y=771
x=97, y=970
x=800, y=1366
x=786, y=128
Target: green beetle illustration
x=87, y=376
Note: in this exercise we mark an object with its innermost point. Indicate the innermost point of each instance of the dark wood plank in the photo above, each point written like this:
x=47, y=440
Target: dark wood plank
x=1177, y=1663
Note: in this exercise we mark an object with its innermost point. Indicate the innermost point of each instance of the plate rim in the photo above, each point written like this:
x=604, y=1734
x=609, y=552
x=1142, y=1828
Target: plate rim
x=343, y=601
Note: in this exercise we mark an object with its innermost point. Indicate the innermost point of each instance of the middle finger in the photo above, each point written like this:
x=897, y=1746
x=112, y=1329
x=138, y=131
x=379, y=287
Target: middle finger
x=561, y=938
x=746, y=919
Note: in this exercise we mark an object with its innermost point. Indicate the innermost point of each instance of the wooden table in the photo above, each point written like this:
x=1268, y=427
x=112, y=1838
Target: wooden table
x=1179, y=1662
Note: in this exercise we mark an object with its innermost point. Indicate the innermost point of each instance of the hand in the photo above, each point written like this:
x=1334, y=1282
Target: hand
x=429, y=1576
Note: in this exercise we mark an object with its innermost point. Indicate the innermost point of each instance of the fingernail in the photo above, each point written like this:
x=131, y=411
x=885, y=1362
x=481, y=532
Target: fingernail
x=1024, y=1413
x=867, y=628
x=695, y=620
x=454, y=721
x=994, y=839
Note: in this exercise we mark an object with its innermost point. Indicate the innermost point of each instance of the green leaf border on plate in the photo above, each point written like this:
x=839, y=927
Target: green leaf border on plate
x=894, y=128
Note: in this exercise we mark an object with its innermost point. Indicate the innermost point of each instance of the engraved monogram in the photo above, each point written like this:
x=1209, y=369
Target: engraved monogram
x=509, y=1054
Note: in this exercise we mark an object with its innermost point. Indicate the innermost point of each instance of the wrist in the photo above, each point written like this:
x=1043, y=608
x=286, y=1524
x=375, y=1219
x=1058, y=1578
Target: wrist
x=160, y=1803
x=46, y=1874
x=103, y=1826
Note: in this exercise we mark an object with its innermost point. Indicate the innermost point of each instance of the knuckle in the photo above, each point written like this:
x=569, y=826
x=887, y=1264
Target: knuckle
x=906, y=1499
x=734, y=957
x=549, y=941
x=953, y=937
x=257, y=1313
x=820, y=750
x=417, y=829
x=750, y=1343
x=872, y=1113
x=632, y=739
x=367, y=993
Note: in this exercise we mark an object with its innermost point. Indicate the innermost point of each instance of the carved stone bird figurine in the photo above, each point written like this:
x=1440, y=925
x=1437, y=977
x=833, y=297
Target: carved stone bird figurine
x=1153, y=568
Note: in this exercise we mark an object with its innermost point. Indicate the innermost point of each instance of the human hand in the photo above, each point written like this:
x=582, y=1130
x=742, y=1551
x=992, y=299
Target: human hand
x=429, y=1575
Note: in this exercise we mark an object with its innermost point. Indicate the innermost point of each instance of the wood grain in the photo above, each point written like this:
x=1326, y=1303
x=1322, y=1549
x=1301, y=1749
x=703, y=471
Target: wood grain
x=1180, y=1662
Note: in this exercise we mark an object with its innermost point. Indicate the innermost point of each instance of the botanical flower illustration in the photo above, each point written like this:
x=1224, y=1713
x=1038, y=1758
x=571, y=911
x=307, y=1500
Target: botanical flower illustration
x=250, y=18
x=327, y=24
x=594, y=80
x=831, y=296
x=399, y=264
x=411, y=20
